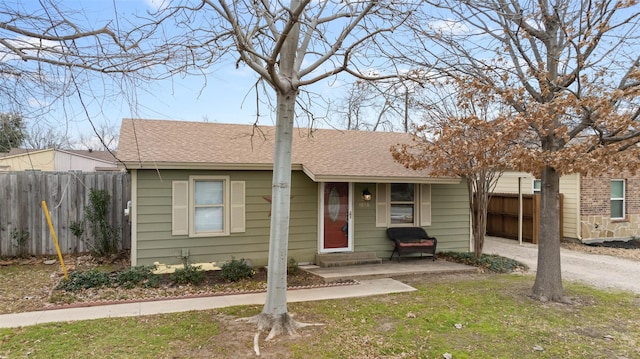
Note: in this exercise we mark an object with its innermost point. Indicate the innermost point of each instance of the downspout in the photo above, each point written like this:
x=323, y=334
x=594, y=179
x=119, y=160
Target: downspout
x=579, y=208
x=520, y=210
x=470, y=230
x=133, y=217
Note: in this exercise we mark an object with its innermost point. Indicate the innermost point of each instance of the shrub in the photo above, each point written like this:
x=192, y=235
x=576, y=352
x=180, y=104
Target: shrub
x=92, y=278
x=138, y=276
x=236, y=270
x=105, y=236
x=292, y=266
x=491, y=262
x=188, y=275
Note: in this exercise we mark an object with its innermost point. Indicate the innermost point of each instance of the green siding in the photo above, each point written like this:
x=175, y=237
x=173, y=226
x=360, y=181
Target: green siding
x=153, y=210
x=449, y=220
x=450, y=217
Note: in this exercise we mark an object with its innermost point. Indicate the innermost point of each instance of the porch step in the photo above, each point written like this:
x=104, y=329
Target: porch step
x=346, y=259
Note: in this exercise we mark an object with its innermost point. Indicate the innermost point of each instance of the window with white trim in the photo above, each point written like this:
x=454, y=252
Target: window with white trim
x=537, y=185
x=403, y=204
x=617, y=199
x=207, y=206
x=209, y=209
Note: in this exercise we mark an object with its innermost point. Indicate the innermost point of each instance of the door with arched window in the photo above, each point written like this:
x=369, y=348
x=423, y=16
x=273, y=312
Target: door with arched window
x=336, y=226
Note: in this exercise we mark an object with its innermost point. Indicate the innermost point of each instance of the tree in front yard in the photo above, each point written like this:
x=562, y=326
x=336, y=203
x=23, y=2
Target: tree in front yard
x=467, y=134
x=289, y=47
x=568, y=69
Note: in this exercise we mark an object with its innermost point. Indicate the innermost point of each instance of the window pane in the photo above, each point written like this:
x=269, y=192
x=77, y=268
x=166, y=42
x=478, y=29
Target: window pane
x=536, y=185
x=402, y=192
x=617, y=189
x=208, y=219
x=208, y=192
x=617, y=209
x=401, y=213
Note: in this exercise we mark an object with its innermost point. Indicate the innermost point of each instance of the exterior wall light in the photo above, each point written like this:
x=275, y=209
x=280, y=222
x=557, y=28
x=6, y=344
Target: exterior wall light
x=366, y=195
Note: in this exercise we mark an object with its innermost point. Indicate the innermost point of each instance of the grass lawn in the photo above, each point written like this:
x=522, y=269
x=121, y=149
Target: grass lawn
x=468, y=316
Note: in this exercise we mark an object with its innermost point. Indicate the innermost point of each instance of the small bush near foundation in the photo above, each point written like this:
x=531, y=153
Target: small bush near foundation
x=138, y=276
x=92, y=278
x=236, y=270
x=188, y=275
x=292, y=266
x=490, y=262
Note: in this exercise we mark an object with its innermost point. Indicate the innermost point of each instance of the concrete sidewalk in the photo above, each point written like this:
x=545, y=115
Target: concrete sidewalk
x=362, y=289
x=601, y=271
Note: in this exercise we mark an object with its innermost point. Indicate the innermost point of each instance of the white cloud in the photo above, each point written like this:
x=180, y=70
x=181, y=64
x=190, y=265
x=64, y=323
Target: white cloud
x=157, y=4
x=450, y=27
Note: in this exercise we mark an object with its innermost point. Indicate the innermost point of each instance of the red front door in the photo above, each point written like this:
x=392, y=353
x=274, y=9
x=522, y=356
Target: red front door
x=336, y=215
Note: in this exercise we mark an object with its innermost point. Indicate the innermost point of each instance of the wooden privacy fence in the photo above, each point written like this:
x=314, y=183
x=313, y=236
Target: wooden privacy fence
x=67, y=197
x=502, y=216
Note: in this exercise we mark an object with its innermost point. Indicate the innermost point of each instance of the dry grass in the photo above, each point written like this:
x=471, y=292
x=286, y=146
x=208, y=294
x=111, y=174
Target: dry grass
x=466, y=315
x=40, y=293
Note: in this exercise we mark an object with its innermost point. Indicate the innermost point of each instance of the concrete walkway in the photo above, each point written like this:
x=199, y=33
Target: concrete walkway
x=389, y=268
x=601, y=271
x=364, y=288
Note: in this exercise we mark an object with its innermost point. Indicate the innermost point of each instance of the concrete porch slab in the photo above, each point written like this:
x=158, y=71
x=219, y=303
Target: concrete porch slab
x=388, y=269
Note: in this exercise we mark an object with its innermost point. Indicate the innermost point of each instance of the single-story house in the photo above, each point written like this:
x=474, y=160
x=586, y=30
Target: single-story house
x=57, y=160
x=201, y=192
x=595, y=207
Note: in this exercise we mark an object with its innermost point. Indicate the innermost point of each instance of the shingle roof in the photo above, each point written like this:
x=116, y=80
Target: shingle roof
x=98, y=155
x=325, y=155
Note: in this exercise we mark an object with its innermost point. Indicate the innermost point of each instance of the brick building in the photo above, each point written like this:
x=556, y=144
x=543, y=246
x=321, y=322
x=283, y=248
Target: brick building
x=595, y=207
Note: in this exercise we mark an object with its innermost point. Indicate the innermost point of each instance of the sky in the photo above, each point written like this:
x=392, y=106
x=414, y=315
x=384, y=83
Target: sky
x=224, y=98
x=226, y=95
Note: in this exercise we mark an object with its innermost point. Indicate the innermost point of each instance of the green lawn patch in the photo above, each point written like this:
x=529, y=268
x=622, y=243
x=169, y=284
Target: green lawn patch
x=466, y=315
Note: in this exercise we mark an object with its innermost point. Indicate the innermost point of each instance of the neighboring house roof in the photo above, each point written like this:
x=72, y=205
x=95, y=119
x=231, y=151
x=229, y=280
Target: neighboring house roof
x=105, y=156
x=324, y=155
x=57, y=159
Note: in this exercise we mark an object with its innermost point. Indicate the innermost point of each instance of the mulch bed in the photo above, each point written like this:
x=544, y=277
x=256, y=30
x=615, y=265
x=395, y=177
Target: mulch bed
x=630, y=244
x=213, y=285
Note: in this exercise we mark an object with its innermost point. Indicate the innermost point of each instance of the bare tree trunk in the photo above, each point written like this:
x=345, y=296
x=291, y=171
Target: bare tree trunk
x=478, y=202
x=548, y=283
x=274, y=315
x=480, y=224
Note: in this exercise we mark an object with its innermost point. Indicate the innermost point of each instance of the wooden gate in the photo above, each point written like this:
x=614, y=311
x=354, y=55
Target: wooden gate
x=502, y=216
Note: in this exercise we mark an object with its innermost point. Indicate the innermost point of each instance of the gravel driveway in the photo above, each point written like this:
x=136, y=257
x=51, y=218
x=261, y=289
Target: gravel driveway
x=600, y=271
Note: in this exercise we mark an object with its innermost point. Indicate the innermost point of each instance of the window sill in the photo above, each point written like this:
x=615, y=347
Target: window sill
x=212, y=234
x=619, y=220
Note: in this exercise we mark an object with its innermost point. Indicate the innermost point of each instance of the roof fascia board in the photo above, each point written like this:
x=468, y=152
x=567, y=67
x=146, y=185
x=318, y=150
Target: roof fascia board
x=381, y=179
x=365, y=179
x=205, y=166
x=294, y=167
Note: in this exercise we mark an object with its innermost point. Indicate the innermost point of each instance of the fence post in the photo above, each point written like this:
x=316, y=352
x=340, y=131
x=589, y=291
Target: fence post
x=536, y=218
